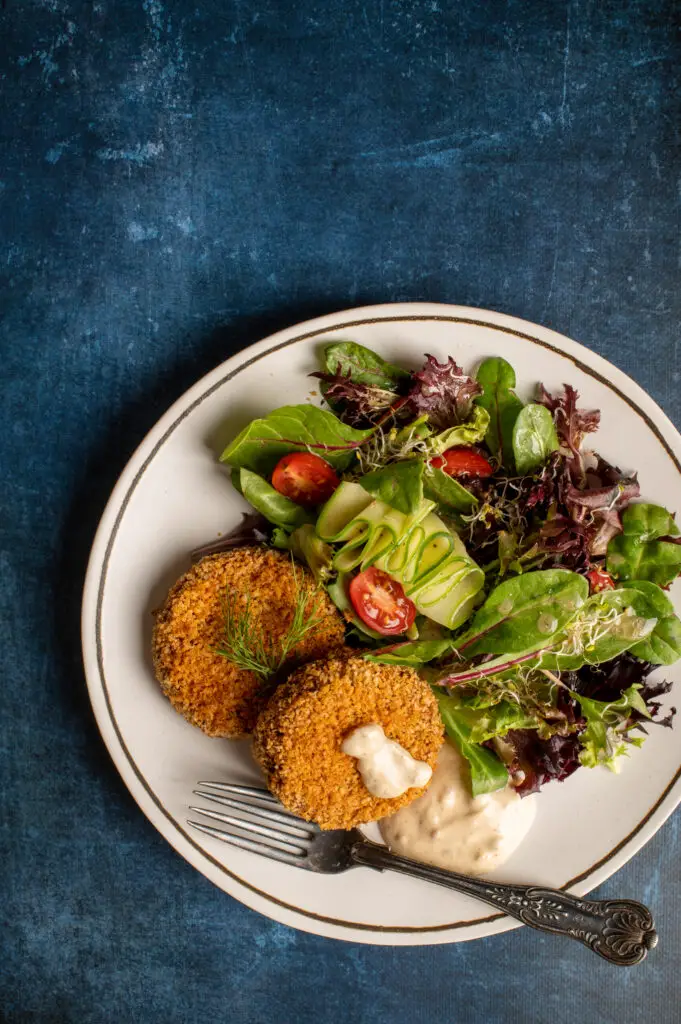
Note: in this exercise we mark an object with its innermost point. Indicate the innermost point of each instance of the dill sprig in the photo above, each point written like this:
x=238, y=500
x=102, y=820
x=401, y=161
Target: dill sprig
x=248, y=646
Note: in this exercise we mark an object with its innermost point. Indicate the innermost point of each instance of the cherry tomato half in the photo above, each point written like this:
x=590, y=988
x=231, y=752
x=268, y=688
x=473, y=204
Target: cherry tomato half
x=599, y=580
x=381, y=602
x=304, y=478
x=462, y=462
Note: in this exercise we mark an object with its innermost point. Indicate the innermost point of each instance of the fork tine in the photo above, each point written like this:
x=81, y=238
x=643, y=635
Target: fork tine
x=295, y=826
x=257, y=792
x=271, y=836
x=253, y=846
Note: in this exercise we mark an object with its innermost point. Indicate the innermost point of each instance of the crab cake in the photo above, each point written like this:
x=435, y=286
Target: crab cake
x=206, y=687
x=298, y=737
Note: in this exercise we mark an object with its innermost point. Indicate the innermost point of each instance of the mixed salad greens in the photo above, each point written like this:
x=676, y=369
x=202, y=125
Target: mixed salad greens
x=478, y=539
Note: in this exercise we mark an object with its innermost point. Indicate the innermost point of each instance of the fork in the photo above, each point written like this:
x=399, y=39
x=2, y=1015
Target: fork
x=621, y=931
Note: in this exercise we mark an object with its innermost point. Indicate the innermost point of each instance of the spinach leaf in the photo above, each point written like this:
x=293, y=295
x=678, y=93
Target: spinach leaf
x=365, y=366
x=640, y=552
x=663, y=645
x=399, y=485
x=648, y=522
x=601, y=742
x=415, y=653
x=525, y=612
x=293, y=428
x=274, y=506
x=488, y=773
x=470, y=432
x=534, y=438
x=497, y=378
x=656, y=561
x=604, y=626
x=446, y=490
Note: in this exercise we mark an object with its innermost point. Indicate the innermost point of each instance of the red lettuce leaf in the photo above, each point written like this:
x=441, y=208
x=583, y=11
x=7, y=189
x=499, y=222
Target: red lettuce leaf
x=571, y=423
x=604, y=499
x=541, y=761
x=649, y=692
x=358, y=405
x=537, y=761
x=608, y=682
x=444, y=392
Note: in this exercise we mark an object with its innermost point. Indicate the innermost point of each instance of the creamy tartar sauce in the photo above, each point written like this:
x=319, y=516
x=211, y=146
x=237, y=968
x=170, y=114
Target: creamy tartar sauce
x=387, y=769
x=451, y=829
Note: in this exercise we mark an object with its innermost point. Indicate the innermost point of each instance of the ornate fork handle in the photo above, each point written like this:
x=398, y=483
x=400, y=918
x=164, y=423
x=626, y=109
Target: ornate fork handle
x=621, y=931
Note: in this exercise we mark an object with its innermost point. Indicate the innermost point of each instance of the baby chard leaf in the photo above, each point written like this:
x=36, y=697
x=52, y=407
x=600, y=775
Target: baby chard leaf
x=293, y=428
x=608, y=624
x=416, y=653
x=648, y=522
x=365, y=366
x=524, y=612
x=605, y=625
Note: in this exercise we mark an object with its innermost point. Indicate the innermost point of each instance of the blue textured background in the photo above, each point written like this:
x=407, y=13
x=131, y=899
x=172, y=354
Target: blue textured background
x=176, y=181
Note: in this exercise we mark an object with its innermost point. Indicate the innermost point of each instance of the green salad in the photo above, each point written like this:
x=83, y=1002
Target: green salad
x=481, y=540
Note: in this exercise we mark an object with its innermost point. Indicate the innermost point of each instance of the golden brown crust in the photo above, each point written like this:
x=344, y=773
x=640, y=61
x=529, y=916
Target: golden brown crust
x=298, y=737
x=204, y=686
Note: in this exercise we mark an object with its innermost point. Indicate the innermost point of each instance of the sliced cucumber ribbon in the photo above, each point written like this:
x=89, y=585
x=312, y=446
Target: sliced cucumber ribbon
x=418, y=550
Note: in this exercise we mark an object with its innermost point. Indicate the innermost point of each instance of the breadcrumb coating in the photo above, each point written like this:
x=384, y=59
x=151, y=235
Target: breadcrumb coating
x=297, y=739
x=206, y=687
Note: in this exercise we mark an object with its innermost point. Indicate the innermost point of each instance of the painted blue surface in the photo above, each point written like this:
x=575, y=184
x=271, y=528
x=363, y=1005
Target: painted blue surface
x=176, y=181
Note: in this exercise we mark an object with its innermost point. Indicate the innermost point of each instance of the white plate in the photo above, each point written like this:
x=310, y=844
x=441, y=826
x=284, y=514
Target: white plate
x=174, y=496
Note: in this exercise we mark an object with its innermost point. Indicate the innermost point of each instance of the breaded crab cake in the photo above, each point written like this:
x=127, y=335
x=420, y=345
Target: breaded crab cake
x=206, y=687
x=299, y=736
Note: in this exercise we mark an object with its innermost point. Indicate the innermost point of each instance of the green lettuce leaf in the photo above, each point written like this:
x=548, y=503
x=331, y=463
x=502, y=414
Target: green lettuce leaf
x=471, y=432
x=603, y=740
x=488, y=772
x=490, y=721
